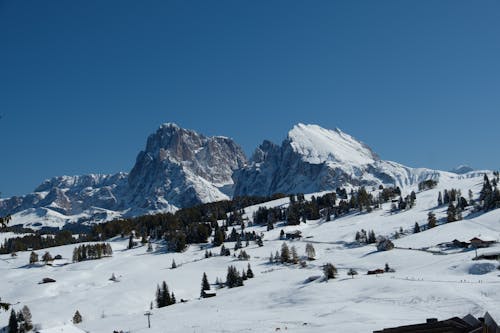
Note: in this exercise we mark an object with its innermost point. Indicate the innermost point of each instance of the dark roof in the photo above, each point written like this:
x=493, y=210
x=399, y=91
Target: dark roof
x=452, y=325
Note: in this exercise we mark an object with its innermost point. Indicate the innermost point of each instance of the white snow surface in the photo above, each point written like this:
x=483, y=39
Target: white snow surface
x=317, y=145
x=428, y=281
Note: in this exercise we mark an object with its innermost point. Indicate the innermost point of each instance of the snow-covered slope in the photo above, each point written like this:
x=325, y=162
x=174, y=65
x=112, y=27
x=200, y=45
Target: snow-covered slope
x=424, y=284
x=315, y=159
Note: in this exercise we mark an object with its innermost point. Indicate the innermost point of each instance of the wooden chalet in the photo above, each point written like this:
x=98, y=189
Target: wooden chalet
x=477, y=242
x=293, y=235
x=467, y=324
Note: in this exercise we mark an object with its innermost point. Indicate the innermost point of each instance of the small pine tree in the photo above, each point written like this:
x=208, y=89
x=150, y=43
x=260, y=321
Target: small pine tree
x=33, y=257
x=440, y=199
x=28, y=324
x=150, y=247
x=172, y=299
x=295, y=257
x=46, y=258
x=131, y=241
x=204, y=285
x=77, y=318
x=13, y=324
x=285, y=253
x=271, y=258
x=431, y=220
x=311, y=253
x=174, y=265
x=416, y=228
x=330, y=271
x=249, y=272
x=352, y=272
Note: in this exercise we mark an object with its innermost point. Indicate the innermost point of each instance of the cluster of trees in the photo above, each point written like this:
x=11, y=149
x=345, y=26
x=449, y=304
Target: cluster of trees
x=299, y=210
x=235, y=279
x=427, y=184
x=38, y=241
x=403, y=204
x=489, y=195
x=364, y=237
x=20, y=322
x=286, y=255
x=92, y=251
x=163, y=296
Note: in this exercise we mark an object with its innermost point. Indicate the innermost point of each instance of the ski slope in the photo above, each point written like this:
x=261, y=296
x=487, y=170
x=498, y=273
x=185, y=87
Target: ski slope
x=424, y=284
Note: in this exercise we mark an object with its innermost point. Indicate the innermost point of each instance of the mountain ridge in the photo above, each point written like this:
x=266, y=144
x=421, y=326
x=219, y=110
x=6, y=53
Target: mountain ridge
x=180, y=168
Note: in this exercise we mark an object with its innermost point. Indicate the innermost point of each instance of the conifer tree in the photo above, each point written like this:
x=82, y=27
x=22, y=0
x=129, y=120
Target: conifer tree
x=46, y=257
x=33, y=257
x=352, y=272
x=416, y=228
x=451, y=214
x=131, y=241
x=330, y=271
x=13, y=324
x=159, y=299
x=285, y=253
x=172, y=299
x=150, y=247
x=26, y=313
x=440, y=199
x=174, y=265
x=204, y=285
x=295, y=257
x=77, y=318
x=431, y=220
x=311, y=253
x=249, y=272
x=165, y=294
x=271, y=258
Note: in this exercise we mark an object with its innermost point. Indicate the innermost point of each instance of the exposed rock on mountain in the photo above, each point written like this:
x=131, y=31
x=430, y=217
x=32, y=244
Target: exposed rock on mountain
x=313, y=159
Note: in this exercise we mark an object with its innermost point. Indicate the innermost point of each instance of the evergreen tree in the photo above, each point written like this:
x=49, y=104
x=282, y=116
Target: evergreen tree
x=271, y=258
x=174, y=265
x=159, y=299
x=285, y=253
x=431, y=220
x=233, y=278
x=330, y=271
x=26, y=313
x=244, y=275
x=46, y=257
x=249, y=272
x=172, y=299
x=131, y=241
x=311, y=253
x=204, y=285
x=440, y=199
x=371, y=237
x=33, y=257
x=13, y=324
x=77, y=318
x=352, y=272
x=150, y=247
x=416, y=228
x=165, y=294
x=295, y=257
x=451, y=214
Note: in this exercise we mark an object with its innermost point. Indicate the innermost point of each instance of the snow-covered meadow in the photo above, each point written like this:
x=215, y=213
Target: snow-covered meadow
x=424, y=284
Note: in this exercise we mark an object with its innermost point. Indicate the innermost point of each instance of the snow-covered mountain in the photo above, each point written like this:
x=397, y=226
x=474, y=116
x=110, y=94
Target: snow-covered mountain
x=462, y=169
x=315, y=159
x=181, y=167
x=178, y=168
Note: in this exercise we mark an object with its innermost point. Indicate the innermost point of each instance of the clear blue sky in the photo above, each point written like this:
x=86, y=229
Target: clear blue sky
x=82, y=83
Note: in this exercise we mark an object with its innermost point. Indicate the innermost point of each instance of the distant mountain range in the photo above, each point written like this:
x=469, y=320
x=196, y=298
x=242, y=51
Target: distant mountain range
x=180, y=168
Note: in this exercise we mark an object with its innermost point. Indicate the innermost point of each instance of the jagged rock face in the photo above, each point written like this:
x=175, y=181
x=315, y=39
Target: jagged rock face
x=313, y=159
x=181, y=167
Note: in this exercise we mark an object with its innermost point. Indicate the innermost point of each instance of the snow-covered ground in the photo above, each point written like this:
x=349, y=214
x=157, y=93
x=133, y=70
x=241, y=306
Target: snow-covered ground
x=423, y=285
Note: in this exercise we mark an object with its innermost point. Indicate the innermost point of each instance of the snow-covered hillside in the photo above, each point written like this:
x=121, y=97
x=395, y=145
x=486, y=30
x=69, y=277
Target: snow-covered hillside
x=429, y=281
